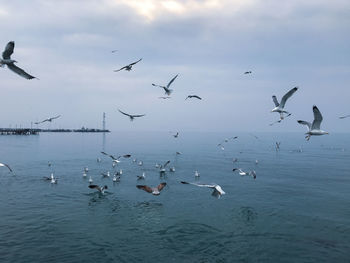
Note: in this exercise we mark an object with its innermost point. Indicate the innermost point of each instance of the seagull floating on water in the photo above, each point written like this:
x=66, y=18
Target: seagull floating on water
x=90, y=180
x=166, y=88
x=7, y=166
x=141, y=177
x=280, y=106
x=48, y=119
x=106, y=174
x=128, y=67
x=217, y=190
x=6, y=60
x=315, y=127
x=152, y=190
x=131, y=116
x=101, y=189
x=196, y=174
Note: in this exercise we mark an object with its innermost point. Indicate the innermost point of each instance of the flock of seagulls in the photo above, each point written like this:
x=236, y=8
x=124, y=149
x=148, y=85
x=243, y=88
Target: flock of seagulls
x=313, y=129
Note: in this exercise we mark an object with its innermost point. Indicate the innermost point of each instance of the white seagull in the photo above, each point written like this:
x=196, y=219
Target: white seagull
x=166, y=88
x=280, y=106
x=128, y=67
x=344, y=117
x=152, y=190
x=6, y=60
x=131, y=116
x=217, y=190
x=90, y=180
x=48, y=119
x=315, y=127
x=240, y=171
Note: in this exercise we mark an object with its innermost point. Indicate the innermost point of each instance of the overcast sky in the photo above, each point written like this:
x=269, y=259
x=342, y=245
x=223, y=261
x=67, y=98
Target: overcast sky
x=209, y=43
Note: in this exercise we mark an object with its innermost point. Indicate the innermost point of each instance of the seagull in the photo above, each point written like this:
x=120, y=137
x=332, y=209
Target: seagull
x=98, y=160
x=162, y=167
x=115, y=50
x=314, y=128
x=234, y=160
x=251, y=173
x=176, y=135
x=172, y=169
x=343, y=117
x=120, y=171
x=141, y=177
x=196, y=174
x=164, y=97
x=278, y=146
x=193, y=96
x=6, y=60
x=178, y=153
x=152, y=190
x=280, y=106
x=98, y=188
x=106, y=174
x=116, y=178
x=217, y=190
x=49, y=164
x=48, y=119
x=115, y=160
x=6, y=165
x=247, y=72
x=90, y=180
x=84, y=175
x=128, y=67
x=140, y=163
x=166, y=89
x=51, y=178
x=131, y=116
x=86, y=169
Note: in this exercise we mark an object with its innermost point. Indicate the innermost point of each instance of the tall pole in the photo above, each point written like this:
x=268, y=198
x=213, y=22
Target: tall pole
x=104, y=121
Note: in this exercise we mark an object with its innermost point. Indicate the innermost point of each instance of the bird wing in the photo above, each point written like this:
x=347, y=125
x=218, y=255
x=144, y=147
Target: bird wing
x=8, y=50
x=20, y=71
x=6, y=165
x=124, y=113
x=201, y=185
x=135, y=62
x=171, y=81
x=308, y=124
x=141, y=115
x=161, y=186
x=94, y=186
x=167, y=162
x=127, y=155
x=105, y=153
x=53, y=118
x=219, y=189
x=274, y=98
x=145, y=188
x=120, y=69
x=195, y=96
x=316, y=124
x=287, y=96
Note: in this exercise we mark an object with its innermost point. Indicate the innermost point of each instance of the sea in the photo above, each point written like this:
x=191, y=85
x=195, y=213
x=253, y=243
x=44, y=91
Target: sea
x=296, y=210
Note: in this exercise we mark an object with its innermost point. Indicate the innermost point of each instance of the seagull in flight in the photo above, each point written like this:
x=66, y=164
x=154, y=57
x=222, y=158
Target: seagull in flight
x=152, y=190
x=280, y=106
x=128, y=67
x=217, y=190
x=240, y=171
x=176, y=135
x=6, y=165
x=193, y=96
x=48, y=119
x=166, y=88
x=278, y=146
x=343, y=117
x=131, y=116
x=101, y=189
x=247, y=72
x=315, y=127
x=162, y=166
x=6, y=60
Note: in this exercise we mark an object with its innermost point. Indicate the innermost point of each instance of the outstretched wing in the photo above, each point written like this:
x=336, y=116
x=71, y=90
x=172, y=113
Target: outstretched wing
x=308, y=124
x=316, y=124
x=141, y=115
x=171, y=81
x=94, y=186
x=8, y=50
x=161, y=186
x=120, y=69
x=197, y=97
x=287, y=96
x=105, y=153
x=53, y=118
x=167, y=162
x=274, y=98
x=145, y=188
x=201, y=185
x=6, y=165
x=135, y=62
x=20, y=71
x=124, y=113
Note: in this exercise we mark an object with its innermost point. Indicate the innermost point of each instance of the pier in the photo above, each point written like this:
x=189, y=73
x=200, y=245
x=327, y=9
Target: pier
x=29, y=131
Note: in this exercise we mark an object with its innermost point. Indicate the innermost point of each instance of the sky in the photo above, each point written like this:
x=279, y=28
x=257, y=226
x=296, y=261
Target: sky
x=209, y=43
